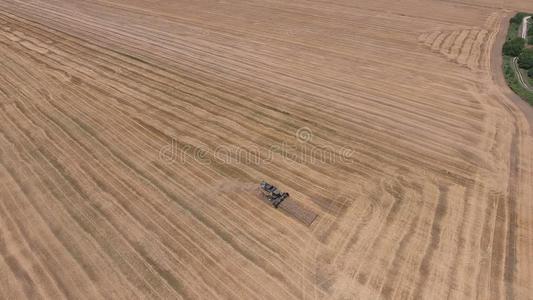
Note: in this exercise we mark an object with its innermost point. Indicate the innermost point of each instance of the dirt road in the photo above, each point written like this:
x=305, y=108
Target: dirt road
x=520, y=75
x=133, y=135
x=524, y=27
x=516, y=68
x=499, y=79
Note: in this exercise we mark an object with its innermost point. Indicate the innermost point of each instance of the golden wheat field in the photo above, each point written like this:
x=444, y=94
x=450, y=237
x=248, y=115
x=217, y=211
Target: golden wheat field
x=134, y=135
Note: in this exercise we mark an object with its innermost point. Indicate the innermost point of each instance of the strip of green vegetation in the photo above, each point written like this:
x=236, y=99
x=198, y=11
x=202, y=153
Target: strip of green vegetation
x=530, y=81
x=512, y=80
x=515, y=46
x=513, y=31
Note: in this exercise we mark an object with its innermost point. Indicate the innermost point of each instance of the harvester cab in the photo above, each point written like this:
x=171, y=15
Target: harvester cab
x=272, y=193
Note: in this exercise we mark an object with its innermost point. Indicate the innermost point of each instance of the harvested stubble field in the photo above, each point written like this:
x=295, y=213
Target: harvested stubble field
x=433, y=201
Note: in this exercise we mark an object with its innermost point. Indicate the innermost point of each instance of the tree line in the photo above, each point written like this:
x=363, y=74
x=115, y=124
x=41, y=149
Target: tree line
x=517, y=47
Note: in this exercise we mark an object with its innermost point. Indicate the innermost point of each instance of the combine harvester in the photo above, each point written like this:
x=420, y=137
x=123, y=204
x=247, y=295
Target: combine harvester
x=272, y=193
x=277, y=199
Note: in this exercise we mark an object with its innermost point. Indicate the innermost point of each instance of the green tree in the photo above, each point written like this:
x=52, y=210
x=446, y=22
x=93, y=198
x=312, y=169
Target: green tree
x=514, y=47
x=517, y=19
x=525, y=59
x=530, y=72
